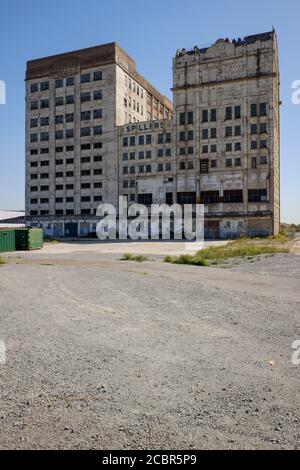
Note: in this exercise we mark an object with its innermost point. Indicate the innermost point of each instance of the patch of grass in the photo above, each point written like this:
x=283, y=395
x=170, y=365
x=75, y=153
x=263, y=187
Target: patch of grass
x=137, y=258
x=2, y=261
x=195, y=260
x=242, y=248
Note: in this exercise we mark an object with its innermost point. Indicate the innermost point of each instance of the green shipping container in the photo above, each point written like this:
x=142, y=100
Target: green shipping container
x=29, y=239
x=7, y=241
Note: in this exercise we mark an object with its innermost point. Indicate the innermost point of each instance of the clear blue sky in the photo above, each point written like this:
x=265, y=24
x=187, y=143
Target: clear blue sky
x=150, y=32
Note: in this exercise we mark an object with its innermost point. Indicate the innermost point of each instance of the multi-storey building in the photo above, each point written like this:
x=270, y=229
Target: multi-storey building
x=221, y=147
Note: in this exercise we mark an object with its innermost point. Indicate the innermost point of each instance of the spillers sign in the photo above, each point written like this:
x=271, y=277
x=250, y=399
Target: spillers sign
x=143, y=127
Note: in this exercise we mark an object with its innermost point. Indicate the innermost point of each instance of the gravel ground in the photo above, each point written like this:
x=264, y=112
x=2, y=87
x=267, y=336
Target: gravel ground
x=106, y=354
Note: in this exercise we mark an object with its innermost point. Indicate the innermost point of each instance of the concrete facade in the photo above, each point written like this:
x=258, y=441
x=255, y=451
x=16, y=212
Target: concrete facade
x=221, y=147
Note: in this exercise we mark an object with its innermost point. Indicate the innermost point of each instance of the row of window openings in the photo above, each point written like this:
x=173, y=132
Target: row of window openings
x=147, y=169
x=59, y=119
x=230, y=162
x=69, y=161
x=233, y=196
x=69, y=99
x=229, y=147
x=147, y=154
x=68, y=174
x=147, y=140
x=68, y=148
x=69, y=81
x=61, y=200
x=62, y=212
x=69, y=134
x=69, y=187
x=229, y=132
x=231, y=112
x=134, y=87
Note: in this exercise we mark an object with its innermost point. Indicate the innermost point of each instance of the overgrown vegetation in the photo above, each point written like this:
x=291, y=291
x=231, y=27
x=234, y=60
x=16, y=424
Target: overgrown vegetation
x=242, y=248
x=131, y=257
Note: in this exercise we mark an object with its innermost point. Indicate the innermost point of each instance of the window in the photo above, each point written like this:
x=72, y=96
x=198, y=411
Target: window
x=190, y=117
x=44, y=188
x=33, y=152
x=253, y=129
x=33, y=122
x=168, y=166
x=204, y=166
x=44, y=151
x=125, y=184
x=85, y=159
x=257, y=195
x=85, y=172
x=85, y=115
x=204, y=134
x=98, y=185
x=70, y=81
x=205, y=115
x=233, y=196
x=228, y=113
x=59, y=119
x=59, y=149
x=181, y=165
x=190, y=135
x=237, y=162
x=34, y=87
x=237, y=146
x=44, y=136
x=70, y=148
x=182, y=151
x=263, y=128
x=148, y=154
x=85, y=131
x=148, y=139
x=70, y=99
x=141, y=139
x=205, y=149
x=69, y=133
x=145, y=199
x=263, y=109
x=132, y=141
x=181, y=136
x=132, y=155
x=33, y=177
x=98, y=95
x=44, y=86
x=228, y=162
x=34, y=105
x=263, y=144
x=263, y=160
x=97, y=76
x=59, y=200
x=190, y=165
x=69, y=187
x=228, y=132
x=237, y=112
x=190, y=150
x=132, y=184
x=45, y=163
x=85, y=78
x=253, y=145
x=160, y=138
x=168, y=152
x=33, y=201
x=33, y=164
x=85, y=185
x=33, y=189
x=186, y=198
x=97, y=113
x=59, y=135
x=125, y=141
x=59, y=174
x=253, y=111
x=209, y=197
x=228, y=148
x=160, y=167
x=69, y=199
x=44, y=176
x=213, y=133
x=168, y=138
x=97, y=130
x=125, y=170
x=237, y=131
x=70, y=117
x=98, y=145
x=125, y=157
x=160, y=152
x=253, y=163
x=84, y=97
x=59, y=101
x=213, y=115
x=44, y=104
x=85, y=198
x=59, y=83
x=33, y=138
x=213, y=149
x=70, y=161
x=132, y=170
x=213, y=164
